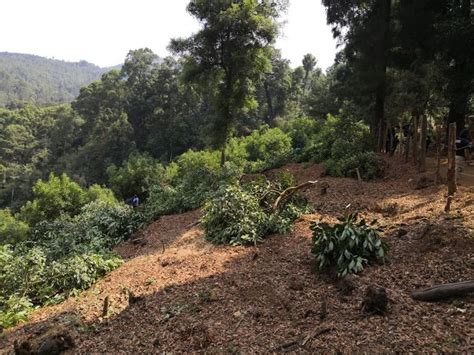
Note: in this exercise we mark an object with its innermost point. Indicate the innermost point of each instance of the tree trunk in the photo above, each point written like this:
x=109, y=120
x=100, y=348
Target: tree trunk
x=424, y=128
x=270, y=114
x=452, y=159
x=415, y=142
x=441, y=292
x=223, y=157
x=381, y=85
x=438, y=154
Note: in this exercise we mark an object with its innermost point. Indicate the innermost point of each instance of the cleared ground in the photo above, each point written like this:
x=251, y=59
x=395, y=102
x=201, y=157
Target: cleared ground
x=192, y=296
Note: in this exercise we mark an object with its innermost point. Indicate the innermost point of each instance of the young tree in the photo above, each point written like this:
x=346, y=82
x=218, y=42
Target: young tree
x=232, y=50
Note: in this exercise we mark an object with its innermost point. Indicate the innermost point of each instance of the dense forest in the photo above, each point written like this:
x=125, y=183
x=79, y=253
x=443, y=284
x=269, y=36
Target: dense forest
x=180, y=133
x=26, y=78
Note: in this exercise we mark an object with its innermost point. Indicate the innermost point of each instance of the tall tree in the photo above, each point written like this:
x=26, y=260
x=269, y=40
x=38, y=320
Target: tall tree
x=309, y=63
x=365, y=28
x=232, y=50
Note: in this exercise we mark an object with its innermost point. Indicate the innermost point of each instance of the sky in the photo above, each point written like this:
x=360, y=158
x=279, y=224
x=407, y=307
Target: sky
x=103, y=31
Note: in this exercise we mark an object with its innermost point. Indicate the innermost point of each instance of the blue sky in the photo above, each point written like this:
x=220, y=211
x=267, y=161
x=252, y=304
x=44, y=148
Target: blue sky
x=102, y=31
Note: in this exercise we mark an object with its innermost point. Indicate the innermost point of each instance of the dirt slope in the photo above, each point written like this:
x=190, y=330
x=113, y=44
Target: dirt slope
x=191, y=296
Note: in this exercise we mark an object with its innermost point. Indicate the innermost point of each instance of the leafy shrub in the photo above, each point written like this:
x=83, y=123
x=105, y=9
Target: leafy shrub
x=264, y=149
x=239, y=215
x=348, y=245
x=64, y=278
x=11, y=229
x=268, y=148
x=136, y=176
x=62, y=257
x=14, y=310
x=96, y=230
x=370, y=166
x=59, y=195
x=99, y=193
x=191, y=180
x=302, y=132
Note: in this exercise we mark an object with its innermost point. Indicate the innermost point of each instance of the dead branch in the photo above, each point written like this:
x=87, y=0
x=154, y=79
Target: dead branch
x=441, y=292
x=287, y=193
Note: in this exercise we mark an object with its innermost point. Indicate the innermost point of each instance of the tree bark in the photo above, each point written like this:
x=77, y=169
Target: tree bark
x=438, y=154
x=270, y=114
x=441, y=292
x=381, y=86
x=424, y=129
x=452, y=159
x=415, y=142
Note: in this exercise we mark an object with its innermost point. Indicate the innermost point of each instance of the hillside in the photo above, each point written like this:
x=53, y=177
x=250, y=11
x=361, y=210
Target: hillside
x=35, y=79
x=191, y=296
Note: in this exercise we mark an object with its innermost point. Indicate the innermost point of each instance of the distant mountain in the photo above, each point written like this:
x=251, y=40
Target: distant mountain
x=31, y=78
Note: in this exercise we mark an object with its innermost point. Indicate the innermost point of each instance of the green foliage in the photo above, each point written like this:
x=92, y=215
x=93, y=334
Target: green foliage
x=235, y=61
x=62, y=257
x=61, y=197
x=348, y=246
x=239, y=215
x=30, y=78
x=136, y=176
x=234, y=217
x=11, y=229
x=267, y=148
x=100, y=193
x=303, y=132
x=370, y=165
x=190, y=181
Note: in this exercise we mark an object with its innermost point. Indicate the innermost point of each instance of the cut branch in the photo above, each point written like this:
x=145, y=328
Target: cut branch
x=441, y=292
x=287, y=193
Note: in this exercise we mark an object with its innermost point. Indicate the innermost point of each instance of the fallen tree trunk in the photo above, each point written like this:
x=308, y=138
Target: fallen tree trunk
x=441, y=292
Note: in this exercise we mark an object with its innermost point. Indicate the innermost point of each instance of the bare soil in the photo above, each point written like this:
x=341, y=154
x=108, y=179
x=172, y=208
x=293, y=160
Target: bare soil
x=178, y=293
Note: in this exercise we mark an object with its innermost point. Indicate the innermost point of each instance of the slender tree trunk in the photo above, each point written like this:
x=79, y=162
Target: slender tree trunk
x=438, y=154
x=461, y=76
x=415, y=141
x=424, y=129
x=380, y=93
x=270, y=115
x=452, y=159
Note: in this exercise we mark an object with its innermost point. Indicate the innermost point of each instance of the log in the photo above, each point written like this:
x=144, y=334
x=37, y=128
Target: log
x=441, y=292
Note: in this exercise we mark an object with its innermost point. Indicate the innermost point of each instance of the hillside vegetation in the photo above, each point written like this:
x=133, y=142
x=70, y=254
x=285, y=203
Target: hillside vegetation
x=43, y=81
x=220, y=200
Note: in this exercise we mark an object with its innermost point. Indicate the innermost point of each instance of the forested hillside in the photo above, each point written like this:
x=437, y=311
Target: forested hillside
x=43, y=81
x=224, y=143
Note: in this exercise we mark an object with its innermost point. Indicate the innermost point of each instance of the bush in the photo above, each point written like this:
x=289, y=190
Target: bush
x=191, y=180
x=59, y=195
x=370, y=166
x=99, y=193
x=268, y=148
x=62, y=257
x=234, y=217
x=136, y=176
x=11, y=230
x=239, y=215
x=96, y=230
x=302, y=132
x=348, y=246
